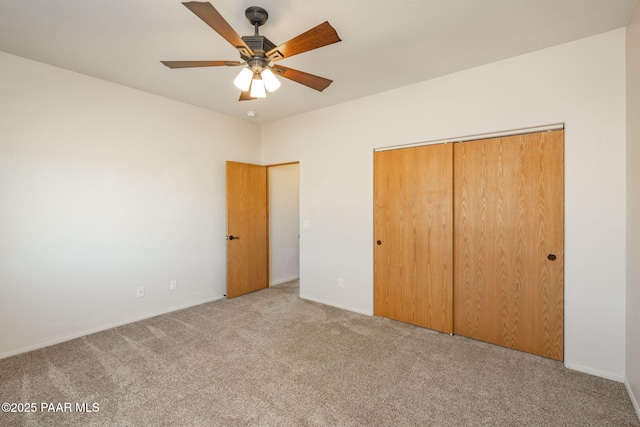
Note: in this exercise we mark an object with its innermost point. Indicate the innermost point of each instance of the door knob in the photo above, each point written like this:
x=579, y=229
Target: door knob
x=233, y=237
x=379, y=242
x=551, y=257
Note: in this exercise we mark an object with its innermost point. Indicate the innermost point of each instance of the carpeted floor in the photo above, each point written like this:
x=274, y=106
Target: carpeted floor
x=271, y=359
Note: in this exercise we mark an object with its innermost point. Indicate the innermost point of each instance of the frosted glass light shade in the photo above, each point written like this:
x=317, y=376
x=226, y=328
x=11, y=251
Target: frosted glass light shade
x=243, y=81
x=271, y=83
x=257, y=89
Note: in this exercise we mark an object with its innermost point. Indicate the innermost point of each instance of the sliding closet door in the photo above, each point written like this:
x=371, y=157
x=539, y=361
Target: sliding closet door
x=413, y=236
x=509, y=245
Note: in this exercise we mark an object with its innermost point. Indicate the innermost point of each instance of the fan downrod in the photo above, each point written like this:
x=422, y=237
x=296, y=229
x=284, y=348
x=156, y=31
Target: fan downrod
x=256, y=15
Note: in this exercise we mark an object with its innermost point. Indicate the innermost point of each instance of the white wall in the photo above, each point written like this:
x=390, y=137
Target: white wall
x=633, y=209
x=581, y=84
x=102, y=189
x=284, y=220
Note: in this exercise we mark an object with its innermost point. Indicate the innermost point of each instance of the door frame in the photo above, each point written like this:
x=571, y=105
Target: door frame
x=500, y=134
x=269, y=189
x=268, y=255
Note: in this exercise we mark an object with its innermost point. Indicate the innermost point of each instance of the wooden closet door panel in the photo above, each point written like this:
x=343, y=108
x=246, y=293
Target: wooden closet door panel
x=413, y=266
x=248, y=223
x=509, y=217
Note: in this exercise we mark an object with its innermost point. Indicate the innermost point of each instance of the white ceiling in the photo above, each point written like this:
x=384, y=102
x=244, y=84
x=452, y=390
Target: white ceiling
x=385, y=44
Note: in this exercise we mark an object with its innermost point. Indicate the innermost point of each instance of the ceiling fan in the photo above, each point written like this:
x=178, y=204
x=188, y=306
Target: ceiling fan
x=258, y=53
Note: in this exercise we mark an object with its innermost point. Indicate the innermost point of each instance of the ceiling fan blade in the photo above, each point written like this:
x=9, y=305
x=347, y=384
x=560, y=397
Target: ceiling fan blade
x=245, y=96
x=212, y=18
x=315, y=82
x=319, y=36
x=189, y=64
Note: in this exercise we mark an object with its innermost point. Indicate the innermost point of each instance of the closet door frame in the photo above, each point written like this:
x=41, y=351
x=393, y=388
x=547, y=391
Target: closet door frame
x=511, y=294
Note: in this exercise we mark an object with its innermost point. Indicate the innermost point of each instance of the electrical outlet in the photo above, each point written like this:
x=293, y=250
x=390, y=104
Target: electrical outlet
x=173, y=285
x=340, y=282
x=140, y=291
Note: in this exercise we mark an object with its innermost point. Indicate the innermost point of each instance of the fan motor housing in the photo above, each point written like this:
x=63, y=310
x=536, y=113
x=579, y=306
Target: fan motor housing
x=259, y=44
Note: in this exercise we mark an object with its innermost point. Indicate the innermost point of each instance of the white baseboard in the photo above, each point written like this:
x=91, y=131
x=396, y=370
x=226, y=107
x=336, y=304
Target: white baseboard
x=633, y=397
x=284, y=280
x=343, y=307
x=62, y=339
x=596, y=372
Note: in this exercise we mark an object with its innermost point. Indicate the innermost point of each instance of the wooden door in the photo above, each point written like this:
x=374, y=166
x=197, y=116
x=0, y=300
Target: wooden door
x=509, y=244
x=413, y=236
x=247, y=229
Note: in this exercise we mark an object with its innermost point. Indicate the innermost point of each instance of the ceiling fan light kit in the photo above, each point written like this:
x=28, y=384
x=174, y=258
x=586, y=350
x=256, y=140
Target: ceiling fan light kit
x=257, y=88
x=271, y=83
x=243, y=81
x=258, y=52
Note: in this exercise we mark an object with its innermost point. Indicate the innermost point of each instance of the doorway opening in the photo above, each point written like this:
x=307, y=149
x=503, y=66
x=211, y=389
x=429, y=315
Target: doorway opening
x=284, y=222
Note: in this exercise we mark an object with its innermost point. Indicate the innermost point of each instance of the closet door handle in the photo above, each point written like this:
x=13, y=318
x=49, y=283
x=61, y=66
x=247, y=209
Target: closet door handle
x=233, y=237
x=379, y=242
x=551, y=257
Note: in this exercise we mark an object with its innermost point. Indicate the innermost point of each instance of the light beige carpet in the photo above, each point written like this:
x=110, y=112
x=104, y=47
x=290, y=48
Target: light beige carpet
x=271, y=359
